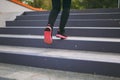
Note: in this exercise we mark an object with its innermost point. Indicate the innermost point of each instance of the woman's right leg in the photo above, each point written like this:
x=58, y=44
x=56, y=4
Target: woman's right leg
x=56, y=6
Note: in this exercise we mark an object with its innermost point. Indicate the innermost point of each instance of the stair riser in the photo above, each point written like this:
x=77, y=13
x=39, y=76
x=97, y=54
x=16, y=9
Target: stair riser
x=112, y=33
x=84, y=16
x=82, y=66
x=64, y=44
x=101, y=23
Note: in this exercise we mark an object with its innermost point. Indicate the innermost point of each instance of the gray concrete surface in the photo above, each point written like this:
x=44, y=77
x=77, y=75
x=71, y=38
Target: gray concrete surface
x=7, y=6
x=9, y=10
x=58, y=53
x=31, y=73
x=8, y=16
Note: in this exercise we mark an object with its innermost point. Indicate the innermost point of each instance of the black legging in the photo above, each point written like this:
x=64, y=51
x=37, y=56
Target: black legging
x=56, y=7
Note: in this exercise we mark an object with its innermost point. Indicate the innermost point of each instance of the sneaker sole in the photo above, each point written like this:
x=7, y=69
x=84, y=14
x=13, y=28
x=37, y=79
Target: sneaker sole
x=60, y=36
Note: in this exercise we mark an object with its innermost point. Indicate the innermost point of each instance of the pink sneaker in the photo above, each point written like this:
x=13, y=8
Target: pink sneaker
x=61, y=35
x=48, y=35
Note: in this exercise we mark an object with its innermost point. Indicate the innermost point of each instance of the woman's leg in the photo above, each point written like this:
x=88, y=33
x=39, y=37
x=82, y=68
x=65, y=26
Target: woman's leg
x=56, y=6
x=65, y=14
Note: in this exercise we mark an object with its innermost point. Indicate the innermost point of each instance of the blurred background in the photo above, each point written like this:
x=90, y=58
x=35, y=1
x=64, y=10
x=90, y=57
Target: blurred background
x=76, y=4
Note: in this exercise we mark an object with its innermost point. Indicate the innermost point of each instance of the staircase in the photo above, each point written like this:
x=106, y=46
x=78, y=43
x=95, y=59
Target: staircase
x=93, y=45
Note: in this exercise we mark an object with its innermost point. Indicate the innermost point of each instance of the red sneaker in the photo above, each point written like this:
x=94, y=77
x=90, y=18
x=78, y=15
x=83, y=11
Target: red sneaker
x=48, y=35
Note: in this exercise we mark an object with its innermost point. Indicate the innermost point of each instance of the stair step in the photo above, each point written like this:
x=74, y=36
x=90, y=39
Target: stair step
x=72, y=43
x=67, y=60
x=93, y=45
x=75, y=23
x=114, y=10
x=70, y=31
x=82, y=16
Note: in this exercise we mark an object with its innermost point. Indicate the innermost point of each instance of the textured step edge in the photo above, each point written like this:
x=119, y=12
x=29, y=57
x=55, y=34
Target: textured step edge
x=101, y=46
x=101, y=39
x=89, y=16
x=82, y=66
x=86, y=32
x=109, y=23
x=60, y=53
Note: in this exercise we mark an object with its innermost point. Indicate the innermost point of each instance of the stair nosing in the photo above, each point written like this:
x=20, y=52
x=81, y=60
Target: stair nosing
x=77, y=20
x=78, y=13
x=67, y=27
x=75, y=38
x=66, y=54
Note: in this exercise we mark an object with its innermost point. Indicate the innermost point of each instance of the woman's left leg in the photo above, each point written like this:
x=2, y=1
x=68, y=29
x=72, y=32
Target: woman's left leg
x=65, y=15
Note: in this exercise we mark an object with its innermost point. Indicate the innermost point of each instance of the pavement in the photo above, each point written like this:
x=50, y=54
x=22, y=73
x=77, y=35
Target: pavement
x=8, y=16
x=31, y=73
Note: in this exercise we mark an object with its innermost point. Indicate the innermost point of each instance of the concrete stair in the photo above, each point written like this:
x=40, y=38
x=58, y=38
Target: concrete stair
x=94, y=31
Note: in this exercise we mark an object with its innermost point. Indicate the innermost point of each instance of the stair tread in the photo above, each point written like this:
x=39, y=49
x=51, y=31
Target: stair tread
x=73, y=20
x=58, y=53
x=77, y=23
x=29, y=27
x=70, y=31
x=47, y=14
x=75, y=38
x=74, y=16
